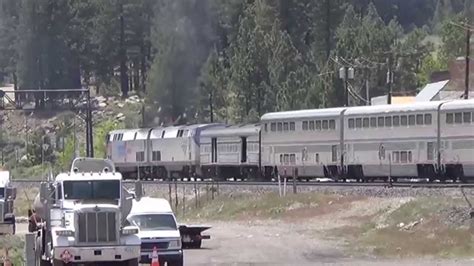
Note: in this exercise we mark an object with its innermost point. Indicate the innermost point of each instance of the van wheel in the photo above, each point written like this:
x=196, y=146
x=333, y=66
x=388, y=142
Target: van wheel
x=176, y=262
x=196, y=244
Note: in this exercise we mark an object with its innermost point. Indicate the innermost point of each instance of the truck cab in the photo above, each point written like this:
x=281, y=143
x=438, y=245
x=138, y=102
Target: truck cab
x=84, y=213
x=158, y=229
x=7, y=197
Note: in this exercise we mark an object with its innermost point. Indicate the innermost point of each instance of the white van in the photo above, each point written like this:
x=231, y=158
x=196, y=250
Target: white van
x=158, y=228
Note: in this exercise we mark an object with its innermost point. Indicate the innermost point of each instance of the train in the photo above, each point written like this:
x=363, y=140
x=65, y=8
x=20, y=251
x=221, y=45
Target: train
x=428, y=140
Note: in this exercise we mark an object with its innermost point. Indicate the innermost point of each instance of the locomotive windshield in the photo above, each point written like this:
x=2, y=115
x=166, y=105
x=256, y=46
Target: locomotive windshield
x=97, y=189
x=154, y=222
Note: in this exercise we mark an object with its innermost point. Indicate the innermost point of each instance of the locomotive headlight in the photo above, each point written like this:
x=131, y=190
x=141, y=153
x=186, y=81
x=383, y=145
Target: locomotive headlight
x=175, y=244
x=64, y=232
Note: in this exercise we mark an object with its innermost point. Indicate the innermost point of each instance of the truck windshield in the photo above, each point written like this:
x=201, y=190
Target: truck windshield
x=98, y=189
x=154, y=221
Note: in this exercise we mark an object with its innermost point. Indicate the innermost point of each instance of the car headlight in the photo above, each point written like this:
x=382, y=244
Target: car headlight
x=130, y=231
x=64, y=232
x=175, y=244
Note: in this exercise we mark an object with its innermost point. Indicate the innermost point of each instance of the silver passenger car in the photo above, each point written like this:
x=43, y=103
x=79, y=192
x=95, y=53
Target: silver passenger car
x=231, y=152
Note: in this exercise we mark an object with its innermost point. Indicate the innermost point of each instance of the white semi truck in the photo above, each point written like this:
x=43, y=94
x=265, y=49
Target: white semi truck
x=78, y=219
x=7, y=198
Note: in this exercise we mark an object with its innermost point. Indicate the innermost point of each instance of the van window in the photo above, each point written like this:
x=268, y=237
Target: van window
x=154, y=222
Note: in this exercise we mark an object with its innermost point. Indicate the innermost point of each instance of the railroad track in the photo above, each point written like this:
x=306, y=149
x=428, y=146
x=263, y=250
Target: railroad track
x=288, y=184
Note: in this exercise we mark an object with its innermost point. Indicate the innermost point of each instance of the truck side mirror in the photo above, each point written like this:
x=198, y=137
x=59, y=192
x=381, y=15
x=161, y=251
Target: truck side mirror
x=138, y=190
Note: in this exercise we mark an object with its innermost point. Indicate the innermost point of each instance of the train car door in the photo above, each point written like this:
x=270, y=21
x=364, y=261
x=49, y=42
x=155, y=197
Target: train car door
x=243, y=155
x=214, y=150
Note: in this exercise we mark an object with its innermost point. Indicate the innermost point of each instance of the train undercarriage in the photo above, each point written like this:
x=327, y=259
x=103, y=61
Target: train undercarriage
x=428, y=172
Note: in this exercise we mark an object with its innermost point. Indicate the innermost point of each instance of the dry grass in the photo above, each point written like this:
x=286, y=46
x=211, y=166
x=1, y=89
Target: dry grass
x=14, y=245
x=259, y=206
x=428, y=238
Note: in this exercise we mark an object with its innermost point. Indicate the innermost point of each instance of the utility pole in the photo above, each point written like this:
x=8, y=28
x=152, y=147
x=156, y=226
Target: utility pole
x=346, y=73
x=210, y=107
x=389, y=79
x=468, y=47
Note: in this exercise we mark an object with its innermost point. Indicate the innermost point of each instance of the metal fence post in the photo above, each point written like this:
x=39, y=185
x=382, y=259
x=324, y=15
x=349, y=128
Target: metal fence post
x=30, y=258
x=295, y=176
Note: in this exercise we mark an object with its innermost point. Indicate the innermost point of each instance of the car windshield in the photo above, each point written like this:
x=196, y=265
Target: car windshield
x=154, y=221
x=98, y=189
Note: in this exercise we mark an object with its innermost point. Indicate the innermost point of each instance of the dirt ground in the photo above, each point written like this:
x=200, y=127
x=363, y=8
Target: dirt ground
x=329, y=229
x=314, y=229
x=277, y=243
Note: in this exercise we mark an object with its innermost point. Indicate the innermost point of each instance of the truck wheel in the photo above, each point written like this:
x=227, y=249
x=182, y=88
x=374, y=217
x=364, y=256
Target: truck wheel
x=58, y=263
x=132, y=262
x=44, y=263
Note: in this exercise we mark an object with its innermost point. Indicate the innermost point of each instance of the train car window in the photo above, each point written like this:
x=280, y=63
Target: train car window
x=293, y=158
x=316, y=156
x=266, y=127
x=351, y=123
x=430, y=151
x=403, y=120
x=411, y=120
x=311, y=125
x=156, y=156
x=273, y=127
x=366, y=122
x=410, y=157
x=281, y=158
x=373, y=122
x=388, y=121
x=396, y=121
x=140, y=156
x=358, y=122
x=472, y=117
x=466, y=117
x=458, y=118
x=403, y=157
x=280, y=126
x=449, y=118
x=292, y=126
x=325, y=124
x=305, y=125
x=285, y=126
x=419, y=119
x=332, y=124
x=427, y=119
x=318, y=124
x=381, y=121
x=396, y=157
x=286, y=158
x=334, y=153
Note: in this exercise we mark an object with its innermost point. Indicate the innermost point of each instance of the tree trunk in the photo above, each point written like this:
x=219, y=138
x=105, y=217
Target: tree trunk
x=123, y=56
